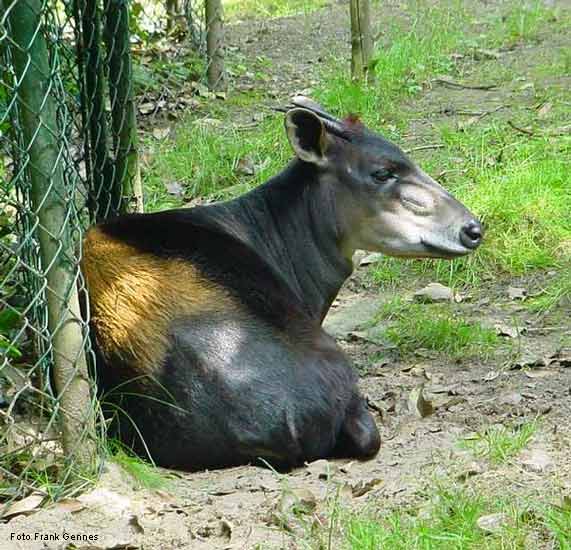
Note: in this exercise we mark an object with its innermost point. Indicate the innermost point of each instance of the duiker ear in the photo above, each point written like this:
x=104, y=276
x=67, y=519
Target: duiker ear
x=307, y=135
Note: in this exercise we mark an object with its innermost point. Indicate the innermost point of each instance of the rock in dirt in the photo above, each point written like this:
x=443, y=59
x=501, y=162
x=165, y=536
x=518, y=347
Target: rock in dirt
x=504, y=329
x=532, y=360
x=536, y=460
x=322, y=469
x=348, y=318
x=517, y=293
x=563, y=357
x=512, y=398
x=472, y=469
x=371, y=259
x=493, y=523
x=225, y=529
x=434, y=292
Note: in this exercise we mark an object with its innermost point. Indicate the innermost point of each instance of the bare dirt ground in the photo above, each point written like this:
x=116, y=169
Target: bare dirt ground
x=253, y=507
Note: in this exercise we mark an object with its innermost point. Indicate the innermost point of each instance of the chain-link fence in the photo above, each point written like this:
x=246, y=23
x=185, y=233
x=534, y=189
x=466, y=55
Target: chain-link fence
x=68, y=158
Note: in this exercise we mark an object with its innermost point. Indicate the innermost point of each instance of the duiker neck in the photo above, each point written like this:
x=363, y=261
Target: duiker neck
x=292, y=221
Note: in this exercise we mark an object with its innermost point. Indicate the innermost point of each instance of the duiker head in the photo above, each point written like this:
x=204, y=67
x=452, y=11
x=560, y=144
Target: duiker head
x=384, y=201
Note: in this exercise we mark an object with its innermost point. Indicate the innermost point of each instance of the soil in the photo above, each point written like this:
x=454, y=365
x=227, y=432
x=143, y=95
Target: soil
x=247, y=506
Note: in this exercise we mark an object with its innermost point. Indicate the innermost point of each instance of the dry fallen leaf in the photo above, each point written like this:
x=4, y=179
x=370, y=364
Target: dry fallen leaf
x=71, y=505
x=24, y=506
x=245, y=167
x=434, y=292
x=544, y=110
x=161, y=133
x=175, y=189
x=492, y=375
x=538, y=373
x=483, y=53
x=418, y=405
x=362, y=487
x=146, y=108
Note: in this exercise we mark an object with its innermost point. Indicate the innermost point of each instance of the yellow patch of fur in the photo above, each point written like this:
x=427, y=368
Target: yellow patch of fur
x=134, y=297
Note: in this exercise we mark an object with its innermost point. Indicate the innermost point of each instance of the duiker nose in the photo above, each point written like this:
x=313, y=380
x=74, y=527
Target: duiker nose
x=471, y=234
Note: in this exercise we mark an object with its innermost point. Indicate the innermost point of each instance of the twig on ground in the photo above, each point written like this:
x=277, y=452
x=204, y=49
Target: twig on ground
x=451, y=171
x=426, y=147
x=491, y=111
x=452, y=84
x=521, y=130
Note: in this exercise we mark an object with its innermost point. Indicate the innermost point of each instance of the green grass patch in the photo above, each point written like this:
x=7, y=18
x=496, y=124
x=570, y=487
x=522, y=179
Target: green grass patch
x=557, y=520
x=500, y=443
x=245, y=9
x=412, y=326
x=214, y=167
x=523, y=21
x=448, y=520
x=146, y=475
x=388, y=272
x=557, y=293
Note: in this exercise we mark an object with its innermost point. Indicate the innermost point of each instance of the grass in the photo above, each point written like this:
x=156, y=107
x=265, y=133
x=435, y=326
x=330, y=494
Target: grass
x=146, y=475
x=449, y=521
x=412, y=326
x=558, y=292
x=213, y=167
x=246, y=9
x=500, y=443
x=386, y=273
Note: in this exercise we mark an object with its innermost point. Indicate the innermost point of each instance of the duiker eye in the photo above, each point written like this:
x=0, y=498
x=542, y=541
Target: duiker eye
x=383, y=176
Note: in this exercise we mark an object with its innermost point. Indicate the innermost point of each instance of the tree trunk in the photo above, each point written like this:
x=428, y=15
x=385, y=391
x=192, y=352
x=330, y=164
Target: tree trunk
x=215, y=45
x=361, y=41
x=127, y=175
x=41, y=140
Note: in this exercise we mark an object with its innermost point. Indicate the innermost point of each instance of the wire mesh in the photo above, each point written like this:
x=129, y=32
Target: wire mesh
x=42, y=204
x=70, y=94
